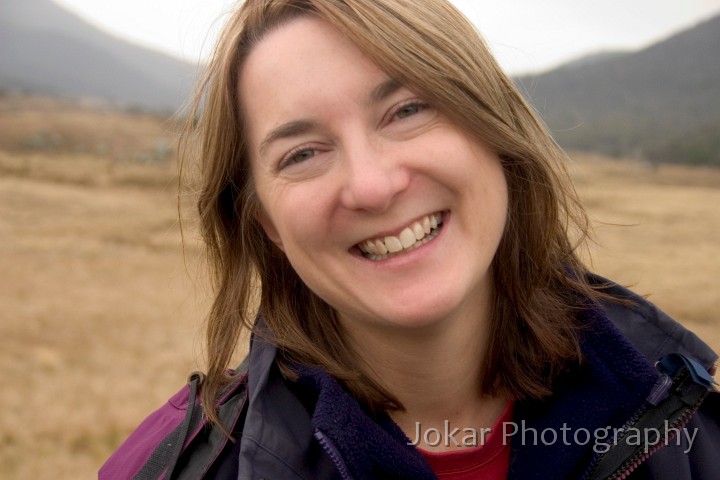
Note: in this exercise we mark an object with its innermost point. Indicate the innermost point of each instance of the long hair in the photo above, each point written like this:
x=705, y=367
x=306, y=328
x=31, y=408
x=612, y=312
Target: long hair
x=431, y=48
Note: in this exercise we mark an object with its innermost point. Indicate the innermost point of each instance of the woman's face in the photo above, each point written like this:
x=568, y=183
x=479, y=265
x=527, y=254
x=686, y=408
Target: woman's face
x=386, y=210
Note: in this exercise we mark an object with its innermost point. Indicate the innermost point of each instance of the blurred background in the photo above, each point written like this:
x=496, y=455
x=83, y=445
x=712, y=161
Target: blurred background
x=103, y=303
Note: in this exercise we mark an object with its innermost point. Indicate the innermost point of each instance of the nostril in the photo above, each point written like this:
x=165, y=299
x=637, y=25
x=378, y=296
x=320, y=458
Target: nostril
x=373, y=190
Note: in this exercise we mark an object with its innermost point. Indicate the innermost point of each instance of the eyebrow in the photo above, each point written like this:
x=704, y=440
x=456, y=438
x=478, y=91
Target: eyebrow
x=384, y=90
x=298, y=127
x=286, y=130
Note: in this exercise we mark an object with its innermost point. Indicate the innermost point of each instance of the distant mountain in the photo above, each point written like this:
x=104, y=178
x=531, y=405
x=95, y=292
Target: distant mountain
x=661, y=104
x=593, y=58
x=46, y=49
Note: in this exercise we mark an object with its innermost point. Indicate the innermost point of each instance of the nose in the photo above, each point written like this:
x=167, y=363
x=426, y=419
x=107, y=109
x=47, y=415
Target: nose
x=374, y=177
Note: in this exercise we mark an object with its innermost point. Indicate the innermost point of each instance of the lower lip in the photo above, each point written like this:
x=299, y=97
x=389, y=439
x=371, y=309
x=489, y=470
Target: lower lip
x=412, y=255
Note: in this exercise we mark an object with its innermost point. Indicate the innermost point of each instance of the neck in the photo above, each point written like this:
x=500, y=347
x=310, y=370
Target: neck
x=435, y=372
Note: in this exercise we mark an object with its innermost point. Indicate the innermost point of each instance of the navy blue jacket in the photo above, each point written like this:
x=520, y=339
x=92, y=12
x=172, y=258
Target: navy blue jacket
x=313, y=429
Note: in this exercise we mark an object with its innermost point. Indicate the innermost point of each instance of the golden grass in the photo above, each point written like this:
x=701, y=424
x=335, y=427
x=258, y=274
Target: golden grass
x=102, y=321
x=657, y=231
x=57, y=126
x=99, y=319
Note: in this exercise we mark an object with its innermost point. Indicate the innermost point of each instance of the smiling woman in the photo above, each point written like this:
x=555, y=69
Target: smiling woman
x=405, y=217
x=375, y=161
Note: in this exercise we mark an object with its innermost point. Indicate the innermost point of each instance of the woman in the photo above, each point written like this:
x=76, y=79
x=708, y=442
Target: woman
x=407, y=222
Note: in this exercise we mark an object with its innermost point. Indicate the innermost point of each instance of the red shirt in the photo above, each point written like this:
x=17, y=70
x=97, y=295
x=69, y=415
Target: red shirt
x=484, y=462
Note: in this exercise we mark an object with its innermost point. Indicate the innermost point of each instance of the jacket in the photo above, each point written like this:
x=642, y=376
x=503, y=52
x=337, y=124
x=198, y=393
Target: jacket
x=313, y=429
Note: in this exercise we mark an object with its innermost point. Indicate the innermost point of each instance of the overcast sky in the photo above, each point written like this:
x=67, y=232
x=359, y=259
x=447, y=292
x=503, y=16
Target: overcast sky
x=526, y=35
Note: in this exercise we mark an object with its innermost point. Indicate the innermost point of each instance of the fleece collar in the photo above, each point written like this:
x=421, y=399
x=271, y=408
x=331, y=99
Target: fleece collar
x=371, y=448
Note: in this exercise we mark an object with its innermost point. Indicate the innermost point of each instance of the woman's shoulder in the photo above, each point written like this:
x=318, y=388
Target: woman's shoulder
x=652, y=331
x=156, y=445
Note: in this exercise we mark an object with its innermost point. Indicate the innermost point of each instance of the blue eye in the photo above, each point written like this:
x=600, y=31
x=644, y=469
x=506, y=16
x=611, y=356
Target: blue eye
x=298, y=156
x=410, y=109
x=302, y=155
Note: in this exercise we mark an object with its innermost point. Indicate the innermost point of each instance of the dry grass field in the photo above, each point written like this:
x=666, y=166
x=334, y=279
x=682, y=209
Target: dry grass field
x=102, y=313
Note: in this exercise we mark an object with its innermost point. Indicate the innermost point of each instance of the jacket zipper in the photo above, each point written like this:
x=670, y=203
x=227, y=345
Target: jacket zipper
x=685, y=380
x=334, y=454
x=634, y=462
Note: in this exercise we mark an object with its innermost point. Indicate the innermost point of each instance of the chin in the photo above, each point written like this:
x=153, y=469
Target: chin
x=420, y=315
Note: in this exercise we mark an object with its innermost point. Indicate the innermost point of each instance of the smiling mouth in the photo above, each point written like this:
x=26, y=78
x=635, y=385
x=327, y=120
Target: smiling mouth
x=411, y=237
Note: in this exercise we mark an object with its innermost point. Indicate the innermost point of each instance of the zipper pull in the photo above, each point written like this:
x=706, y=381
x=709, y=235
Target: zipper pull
x=660, y=391
x=674, y=362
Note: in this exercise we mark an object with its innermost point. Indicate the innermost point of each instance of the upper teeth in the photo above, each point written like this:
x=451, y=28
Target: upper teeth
x=411, y=237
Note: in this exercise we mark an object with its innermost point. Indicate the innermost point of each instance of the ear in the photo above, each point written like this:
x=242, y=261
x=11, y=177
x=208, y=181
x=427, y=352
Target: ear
x=269, y=228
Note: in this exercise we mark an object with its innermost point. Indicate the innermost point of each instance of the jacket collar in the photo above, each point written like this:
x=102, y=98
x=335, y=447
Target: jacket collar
x=602, y=393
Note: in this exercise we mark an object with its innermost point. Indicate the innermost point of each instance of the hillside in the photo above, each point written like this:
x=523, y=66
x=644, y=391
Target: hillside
x=46, y=49
x=660, y=104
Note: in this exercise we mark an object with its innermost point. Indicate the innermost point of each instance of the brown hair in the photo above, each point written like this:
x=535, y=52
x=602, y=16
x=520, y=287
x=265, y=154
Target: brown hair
x=434, y=50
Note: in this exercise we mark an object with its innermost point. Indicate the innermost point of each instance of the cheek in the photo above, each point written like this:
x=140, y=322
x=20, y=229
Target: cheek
x=297, y=218
x=491, y=197
x=497, y=193
x=499, y=188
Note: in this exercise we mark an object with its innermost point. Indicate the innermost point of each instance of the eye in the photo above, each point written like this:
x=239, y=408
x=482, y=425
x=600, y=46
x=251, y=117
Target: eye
x=296, y=156
x=409, y=109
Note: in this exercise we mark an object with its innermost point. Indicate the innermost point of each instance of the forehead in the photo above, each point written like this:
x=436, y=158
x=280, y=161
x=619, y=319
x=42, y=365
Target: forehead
x=297, y=65
x=304, y=37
